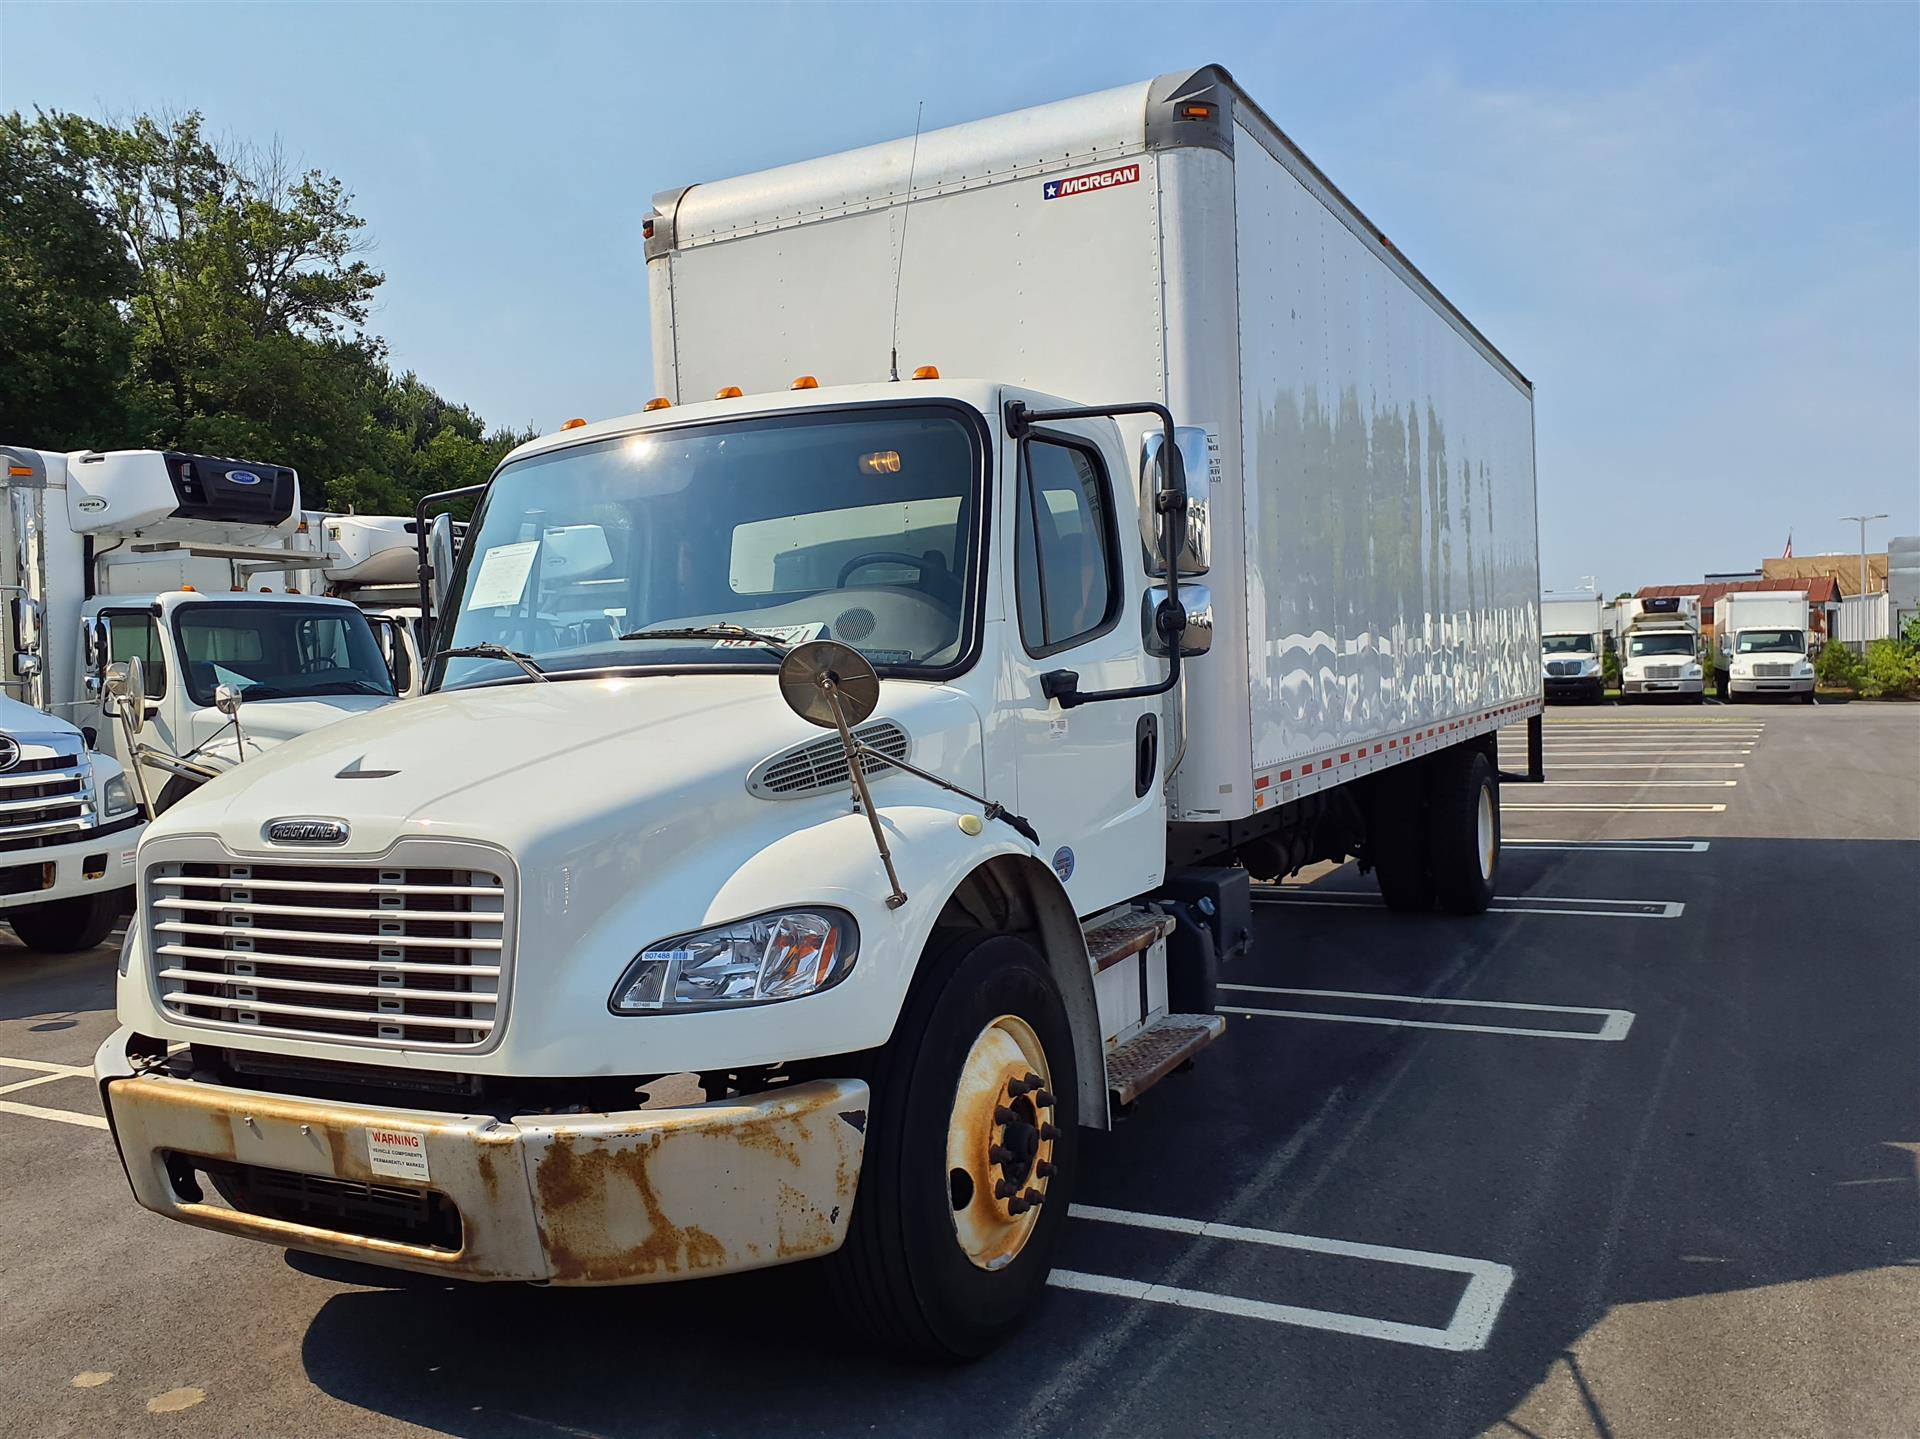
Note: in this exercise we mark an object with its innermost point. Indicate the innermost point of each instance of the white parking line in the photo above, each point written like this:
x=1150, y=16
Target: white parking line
x=1638, y=783
x=1469, y=1328
x=1509, y=808
x=1661, y=764
x=1614, y=1022
x=30, y=1083
x=1621, y=846
x=1502, y=903
x=65, y=1116
x=42, y=1066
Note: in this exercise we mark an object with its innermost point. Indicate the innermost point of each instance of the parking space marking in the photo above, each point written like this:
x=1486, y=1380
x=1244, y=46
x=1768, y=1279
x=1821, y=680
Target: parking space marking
x=42, y=1066
x=1502, y=903
x=1661, y=764
x=1506, y=807
x=1638, y=783
x=64, y=1116
x=1621, y=846
x=1469, y=1328
x=30, y=1083
x=1614, y=1022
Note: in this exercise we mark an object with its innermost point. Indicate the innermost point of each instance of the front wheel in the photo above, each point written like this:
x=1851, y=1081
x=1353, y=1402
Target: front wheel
x=971, y=1145
x=67, y=926
x=1465, y=843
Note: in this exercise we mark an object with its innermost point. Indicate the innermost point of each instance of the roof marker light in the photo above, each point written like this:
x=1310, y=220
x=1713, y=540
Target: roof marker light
x=727, y=392
x=575, y=423
x=658, y=402
x=927, y=372
x=805, y=382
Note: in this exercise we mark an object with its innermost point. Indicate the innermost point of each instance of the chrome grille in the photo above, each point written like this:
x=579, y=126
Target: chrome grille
x=1663, y=672
x=1773, y=672
x=400, y=956
x=1563, y=668
x=48, y=793
x=821, y=764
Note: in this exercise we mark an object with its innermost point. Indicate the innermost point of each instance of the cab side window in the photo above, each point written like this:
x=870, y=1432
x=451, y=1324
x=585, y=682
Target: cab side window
x=135, y=634
x=1065, y=576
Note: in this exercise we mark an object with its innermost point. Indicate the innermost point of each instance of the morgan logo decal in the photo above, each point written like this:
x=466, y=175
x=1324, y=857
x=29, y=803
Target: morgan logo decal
x=1093, y=180
x=307, y=831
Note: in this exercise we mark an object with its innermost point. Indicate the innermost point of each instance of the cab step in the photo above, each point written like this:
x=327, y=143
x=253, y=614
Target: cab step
x=1121, y=934
x=1157, y=1050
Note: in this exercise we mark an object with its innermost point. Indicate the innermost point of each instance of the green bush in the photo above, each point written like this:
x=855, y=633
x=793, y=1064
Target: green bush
x=1892, y=668
x=1610, y=669
x=1838, y=666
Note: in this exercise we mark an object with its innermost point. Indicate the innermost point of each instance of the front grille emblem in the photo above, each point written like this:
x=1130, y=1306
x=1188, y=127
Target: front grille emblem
x=306, y=831
x=9, y=752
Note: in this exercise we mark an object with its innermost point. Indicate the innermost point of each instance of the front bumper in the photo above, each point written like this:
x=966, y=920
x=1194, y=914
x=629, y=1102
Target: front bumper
x=1585, y=687
x=628, y=1198
x=96, y=859
x=1738, y=686
x=1694, y=686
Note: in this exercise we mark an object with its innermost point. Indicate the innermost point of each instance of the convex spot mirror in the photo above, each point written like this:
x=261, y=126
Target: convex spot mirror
x=1198, y=459
x=1196, y=639
x=127, y=684
x=227, y=698
x=814, y=672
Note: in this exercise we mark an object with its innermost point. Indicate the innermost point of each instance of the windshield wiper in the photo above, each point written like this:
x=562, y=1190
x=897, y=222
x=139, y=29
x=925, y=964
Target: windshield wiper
x=713, y=632
x=487, y=650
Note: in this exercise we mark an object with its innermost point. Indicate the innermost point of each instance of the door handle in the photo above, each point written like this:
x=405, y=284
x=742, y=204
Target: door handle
x=1146, y=754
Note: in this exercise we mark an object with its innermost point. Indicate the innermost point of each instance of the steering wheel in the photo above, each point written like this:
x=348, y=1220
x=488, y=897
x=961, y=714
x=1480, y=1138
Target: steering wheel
x=896, y=557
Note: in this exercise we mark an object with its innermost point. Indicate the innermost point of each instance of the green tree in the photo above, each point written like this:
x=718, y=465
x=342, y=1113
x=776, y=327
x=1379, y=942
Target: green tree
x=64, y=281
x=1891, y=668
x=1838, y=667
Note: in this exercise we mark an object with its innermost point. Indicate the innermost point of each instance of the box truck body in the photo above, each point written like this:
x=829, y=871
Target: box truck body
x=1760, y=644
x=835, y=790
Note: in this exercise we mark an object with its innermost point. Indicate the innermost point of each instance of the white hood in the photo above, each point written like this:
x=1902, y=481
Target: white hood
x=18, y=719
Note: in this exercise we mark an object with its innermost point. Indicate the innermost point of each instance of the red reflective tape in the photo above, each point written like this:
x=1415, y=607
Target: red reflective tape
x=1260, y=783
x=1345, y=758
x=1286, y=774
x=1376, y=749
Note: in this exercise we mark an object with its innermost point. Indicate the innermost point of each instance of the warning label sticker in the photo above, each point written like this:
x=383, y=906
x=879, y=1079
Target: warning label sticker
x=397, y=1153
x=1089, y=182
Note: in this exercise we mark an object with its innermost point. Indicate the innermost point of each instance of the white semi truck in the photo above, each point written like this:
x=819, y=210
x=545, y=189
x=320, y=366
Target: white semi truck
x=1573, y=646
x=1662, y=654
x=828, y=798
x=189, y=564
x=1760, y=645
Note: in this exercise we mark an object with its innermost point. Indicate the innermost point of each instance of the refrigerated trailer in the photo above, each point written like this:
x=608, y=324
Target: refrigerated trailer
x=842, y=781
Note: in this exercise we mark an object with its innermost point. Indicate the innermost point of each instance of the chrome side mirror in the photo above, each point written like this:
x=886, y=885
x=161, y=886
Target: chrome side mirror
x=1201, y=460
x=443, y=549
x=25, y=665
x=227, y=698
x=1196, y=639
x=127, y=683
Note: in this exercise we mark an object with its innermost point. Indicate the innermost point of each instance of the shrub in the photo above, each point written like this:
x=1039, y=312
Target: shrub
x=1610, y=670
x=1838, y=666
x=1891, y=668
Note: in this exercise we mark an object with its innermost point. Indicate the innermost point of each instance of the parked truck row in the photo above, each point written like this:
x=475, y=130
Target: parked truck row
x=831, y=791
x=1760, y=647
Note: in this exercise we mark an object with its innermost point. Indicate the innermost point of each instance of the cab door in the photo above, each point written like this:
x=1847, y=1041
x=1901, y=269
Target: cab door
x=112, y=633
x=1089, y=776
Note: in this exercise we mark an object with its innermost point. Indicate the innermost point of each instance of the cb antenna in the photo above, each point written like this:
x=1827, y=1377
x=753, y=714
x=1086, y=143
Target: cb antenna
x=900, y=256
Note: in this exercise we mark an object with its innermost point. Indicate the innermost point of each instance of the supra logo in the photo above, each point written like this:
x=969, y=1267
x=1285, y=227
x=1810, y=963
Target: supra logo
x=9, y=751
x=93, y=505
x=1093, y=180
x=243, y=477
x=307, y=831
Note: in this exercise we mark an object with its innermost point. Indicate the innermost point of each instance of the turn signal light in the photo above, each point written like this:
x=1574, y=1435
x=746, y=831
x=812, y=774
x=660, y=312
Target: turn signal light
x=575, y=423
x=727, y=392
x=658, y=402
x=927, y=372
x=17, y=471
x=805, y=382
x=1196, y=112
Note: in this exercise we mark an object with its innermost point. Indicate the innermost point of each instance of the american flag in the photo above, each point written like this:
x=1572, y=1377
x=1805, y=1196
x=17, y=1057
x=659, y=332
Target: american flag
x=1787, y=554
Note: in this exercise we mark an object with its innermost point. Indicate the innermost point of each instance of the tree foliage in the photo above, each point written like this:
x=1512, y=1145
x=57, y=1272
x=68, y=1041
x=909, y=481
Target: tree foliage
x=1891, y=667
x=1838, y=667
x=179, y=292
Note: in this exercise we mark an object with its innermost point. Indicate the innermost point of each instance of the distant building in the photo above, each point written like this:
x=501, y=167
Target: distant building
x=1823, y=594
x=1845, y=569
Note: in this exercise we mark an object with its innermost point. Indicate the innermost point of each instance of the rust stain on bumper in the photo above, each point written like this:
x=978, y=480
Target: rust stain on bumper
x=629, y=1198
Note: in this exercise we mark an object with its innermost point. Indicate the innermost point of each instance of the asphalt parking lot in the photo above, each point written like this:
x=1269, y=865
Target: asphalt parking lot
x=1636, y=1153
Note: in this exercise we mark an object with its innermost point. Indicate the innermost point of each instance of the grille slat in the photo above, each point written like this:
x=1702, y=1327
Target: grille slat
x=353, y=953
x=46, y=794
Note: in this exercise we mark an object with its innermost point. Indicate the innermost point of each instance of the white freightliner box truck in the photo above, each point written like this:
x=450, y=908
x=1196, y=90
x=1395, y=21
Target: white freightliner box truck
x=159, y=557
x=1573, y=646
x=811, y=822
x=1760, y=645
x=1661, y=652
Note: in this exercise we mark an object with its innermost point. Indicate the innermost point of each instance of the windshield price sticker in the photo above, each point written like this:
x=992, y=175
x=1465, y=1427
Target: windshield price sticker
x=503, y=575
x=786, y=634
x=397, y=1153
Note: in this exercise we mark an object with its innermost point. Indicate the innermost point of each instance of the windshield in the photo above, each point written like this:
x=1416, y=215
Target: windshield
x=1679, y=642
x=1761, y=642
x=1567, y=644
x=857, y=526
x=279, y=651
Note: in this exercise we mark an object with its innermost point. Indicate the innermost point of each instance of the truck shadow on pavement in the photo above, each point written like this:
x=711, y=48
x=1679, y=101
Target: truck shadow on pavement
x=1743, y=1159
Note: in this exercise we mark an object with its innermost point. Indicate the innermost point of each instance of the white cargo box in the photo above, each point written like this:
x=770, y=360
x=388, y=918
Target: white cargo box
x=1375, y=567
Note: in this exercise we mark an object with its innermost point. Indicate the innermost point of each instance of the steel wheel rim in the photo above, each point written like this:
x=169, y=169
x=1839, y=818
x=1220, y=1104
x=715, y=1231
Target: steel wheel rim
x=1484, y=823
x=1000, y=1142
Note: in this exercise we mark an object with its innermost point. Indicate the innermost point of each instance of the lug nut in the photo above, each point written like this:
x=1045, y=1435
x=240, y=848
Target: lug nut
x=1018, y=1206
x=1017, y=1087
x=1043, y=1169
x=1000, y=1154
x=1005, y=1189
x=1043, y=1098
x=1048, y=1132
x=1034, y=1198
x=1003, y=1115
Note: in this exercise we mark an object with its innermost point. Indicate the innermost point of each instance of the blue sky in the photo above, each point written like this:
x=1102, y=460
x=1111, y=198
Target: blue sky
x=1697, y=228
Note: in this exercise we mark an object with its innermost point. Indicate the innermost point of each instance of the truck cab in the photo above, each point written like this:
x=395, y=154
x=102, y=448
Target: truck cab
x=1760, y=646
x=1662, y=650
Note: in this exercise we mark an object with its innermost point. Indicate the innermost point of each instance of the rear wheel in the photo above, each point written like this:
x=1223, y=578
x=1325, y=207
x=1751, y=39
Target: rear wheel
x=1465, y=829
x=971, y=1144
x=67, y=926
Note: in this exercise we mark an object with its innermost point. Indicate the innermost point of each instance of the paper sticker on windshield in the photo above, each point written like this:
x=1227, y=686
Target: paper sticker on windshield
x=786, y=634
x=503, y=575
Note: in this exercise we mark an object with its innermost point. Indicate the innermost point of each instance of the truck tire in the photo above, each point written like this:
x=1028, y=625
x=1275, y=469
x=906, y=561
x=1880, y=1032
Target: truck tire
x=1397, y=846
x=67, y=926
x=175, y=790
x=944, y=1254
x=1465, y=816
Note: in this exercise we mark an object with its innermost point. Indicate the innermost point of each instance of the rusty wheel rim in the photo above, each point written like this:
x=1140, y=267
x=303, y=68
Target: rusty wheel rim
x=1000, y=1142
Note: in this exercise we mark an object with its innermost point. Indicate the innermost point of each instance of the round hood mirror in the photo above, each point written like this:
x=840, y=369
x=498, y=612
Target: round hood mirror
x=818, y=669
x=226, y=699
x=127, y=683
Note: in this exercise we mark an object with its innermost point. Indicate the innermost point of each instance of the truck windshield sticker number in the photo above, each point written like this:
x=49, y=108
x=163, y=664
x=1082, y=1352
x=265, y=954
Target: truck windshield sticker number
x=503, y=575
x=1093, y=180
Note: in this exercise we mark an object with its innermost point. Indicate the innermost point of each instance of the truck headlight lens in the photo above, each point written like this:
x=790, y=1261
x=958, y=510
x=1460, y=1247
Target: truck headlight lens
x=116, y=798
x=752, y=961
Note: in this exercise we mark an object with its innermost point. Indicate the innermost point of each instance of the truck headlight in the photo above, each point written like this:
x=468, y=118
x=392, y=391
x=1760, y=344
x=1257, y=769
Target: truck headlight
x=752, y=961
x=116, y=798
x=1693, y=672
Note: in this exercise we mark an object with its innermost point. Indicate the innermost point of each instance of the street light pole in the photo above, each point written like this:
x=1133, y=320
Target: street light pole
x=1863, y=520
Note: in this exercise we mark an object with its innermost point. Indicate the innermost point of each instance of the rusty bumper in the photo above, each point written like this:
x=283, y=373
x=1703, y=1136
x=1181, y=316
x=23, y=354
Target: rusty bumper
x=630, y=1198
